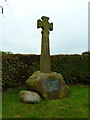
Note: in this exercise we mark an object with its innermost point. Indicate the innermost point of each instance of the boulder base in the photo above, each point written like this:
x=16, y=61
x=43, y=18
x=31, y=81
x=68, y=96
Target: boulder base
x=29, y=97
x=48, y=85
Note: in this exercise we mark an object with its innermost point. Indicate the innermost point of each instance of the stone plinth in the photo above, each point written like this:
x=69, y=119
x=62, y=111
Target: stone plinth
x=48, y=85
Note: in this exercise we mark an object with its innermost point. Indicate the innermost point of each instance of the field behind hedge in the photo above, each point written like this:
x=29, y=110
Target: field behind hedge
x=16, y=68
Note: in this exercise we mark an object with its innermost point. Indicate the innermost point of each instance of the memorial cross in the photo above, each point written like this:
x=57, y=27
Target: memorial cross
x=45, y=51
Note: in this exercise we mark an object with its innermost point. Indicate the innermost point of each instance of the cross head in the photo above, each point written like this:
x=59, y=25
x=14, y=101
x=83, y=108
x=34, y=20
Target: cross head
x=44, y=24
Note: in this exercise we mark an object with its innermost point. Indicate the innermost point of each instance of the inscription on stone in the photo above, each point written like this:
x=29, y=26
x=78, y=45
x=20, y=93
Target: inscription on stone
x=52, y=85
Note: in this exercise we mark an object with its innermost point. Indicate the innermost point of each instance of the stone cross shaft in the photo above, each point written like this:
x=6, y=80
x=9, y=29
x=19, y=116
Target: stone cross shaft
x=45, y=51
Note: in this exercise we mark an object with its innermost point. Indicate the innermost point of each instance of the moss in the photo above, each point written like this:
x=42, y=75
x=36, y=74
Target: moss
x=64, y=92
x=36, y=82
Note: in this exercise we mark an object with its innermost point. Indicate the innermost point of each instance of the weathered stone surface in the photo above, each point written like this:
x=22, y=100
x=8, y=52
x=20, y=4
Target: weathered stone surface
x=29, y=97
x=45, y=51
x=36, y=82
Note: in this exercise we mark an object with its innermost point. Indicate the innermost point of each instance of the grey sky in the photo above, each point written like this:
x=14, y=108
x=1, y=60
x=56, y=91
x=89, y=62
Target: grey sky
x=19, y=25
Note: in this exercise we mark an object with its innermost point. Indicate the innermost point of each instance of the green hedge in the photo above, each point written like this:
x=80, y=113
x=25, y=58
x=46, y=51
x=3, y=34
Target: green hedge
x=17, y=68
x=74, y=68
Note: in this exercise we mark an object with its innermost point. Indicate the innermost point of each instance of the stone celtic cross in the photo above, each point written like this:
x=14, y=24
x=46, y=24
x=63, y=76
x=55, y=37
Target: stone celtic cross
x=45, y=51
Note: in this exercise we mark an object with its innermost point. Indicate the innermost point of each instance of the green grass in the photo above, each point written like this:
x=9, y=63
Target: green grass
x=75, y=106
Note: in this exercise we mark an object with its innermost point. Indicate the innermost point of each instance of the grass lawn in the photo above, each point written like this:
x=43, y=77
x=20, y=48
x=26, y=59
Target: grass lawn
x=75, y=106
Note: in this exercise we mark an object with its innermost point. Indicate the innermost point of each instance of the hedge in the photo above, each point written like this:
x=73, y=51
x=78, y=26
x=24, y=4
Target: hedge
x=16, y=68
x=74, y=68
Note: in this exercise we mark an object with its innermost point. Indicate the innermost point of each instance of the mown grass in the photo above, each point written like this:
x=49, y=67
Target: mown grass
x=75, y=106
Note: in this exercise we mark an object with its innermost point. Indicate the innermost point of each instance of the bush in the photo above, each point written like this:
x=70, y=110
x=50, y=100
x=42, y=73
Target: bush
x=74, y=68
x=17, y=68
x=16, y=71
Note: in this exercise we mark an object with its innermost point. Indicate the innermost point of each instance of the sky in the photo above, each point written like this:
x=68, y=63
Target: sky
x=19, y=32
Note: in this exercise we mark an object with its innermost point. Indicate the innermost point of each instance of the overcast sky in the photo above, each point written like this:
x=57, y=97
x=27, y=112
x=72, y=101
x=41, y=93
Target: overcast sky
x=18, y=26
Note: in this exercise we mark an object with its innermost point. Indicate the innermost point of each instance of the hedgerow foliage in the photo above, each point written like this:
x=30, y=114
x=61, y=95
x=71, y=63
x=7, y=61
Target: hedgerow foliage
x=74, y=68
x=16, y=68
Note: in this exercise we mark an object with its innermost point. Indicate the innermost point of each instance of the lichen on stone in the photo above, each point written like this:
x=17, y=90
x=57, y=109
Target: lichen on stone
x=36, y=82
